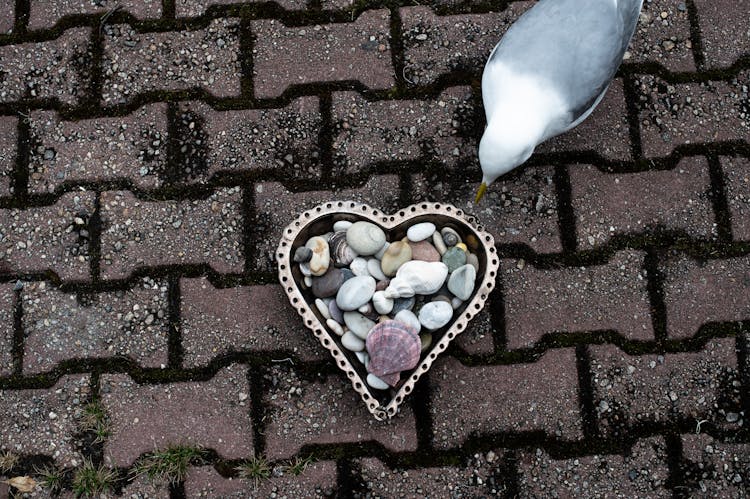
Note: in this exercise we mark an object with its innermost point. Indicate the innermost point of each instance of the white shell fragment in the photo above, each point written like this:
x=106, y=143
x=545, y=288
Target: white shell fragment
x=417, y=277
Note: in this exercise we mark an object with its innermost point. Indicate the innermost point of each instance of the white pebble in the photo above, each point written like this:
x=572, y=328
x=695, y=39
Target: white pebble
x=363, y=357
x=373, y=267
x=359, y=266
x=358, y=324
x=379, y=254
x=322, y=308
x=376, y=382
x=409, y=318
x=335, y=327
x=341, y=225
x=352, y=342
x=420, y=232
x=383, y=305
x=435, y=315
x=308, y=281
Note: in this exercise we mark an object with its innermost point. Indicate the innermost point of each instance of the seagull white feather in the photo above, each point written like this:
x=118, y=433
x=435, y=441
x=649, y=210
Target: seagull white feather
x=547, y=74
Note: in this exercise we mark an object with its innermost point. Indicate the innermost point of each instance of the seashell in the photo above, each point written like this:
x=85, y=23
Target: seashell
x=398, y=253
x=393, y=347
x=321, y=257
x=341, y=254
x=420, y=232
x=358, y=266
x=352, y=342
x=376, y=382
x=435, y=315
x=382, y=304
x=417, y=277
x=302, y=254
x=450, y=236
x=355, y=292
x=365, y=238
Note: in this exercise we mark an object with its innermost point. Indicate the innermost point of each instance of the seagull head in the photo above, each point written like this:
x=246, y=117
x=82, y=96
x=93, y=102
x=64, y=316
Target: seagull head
x=502, y=148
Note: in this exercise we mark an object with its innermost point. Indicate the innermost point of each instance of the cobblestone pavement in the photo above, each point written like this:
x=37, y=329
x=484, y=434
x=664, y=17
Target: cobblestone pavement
x=151, y=152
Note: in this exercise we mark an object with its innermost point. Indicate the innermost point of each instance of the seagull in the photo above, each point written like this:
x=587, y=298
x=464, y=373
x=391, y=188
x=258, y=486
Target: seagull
x=547, y=74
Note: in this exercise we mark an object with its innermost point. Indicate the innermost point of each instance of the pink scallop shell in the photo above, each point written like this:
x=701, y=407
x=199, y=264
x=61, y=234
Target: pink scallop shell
x=393, y=347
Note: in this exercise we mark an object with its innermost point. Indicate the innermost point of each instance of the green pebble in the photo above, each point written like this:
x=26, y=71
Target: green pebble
x=454, y=258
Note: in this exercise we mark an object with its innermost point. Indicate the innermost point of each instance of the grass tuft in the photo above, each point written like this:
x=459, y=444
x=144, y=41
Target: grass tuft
x=299, y=464
x=7, y=461
x=92, y=481
x=255, y=469
x=94, y=420
x=50, y=478
x=170, y=464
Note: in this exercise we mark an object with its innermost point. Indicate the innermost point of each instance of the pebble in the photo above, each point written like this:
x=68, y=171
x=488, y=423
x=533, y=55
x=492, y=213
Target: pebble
x=308, y=281
x=437, y=240
x=341, y=254
x=450, y=236
x=336, y=313
x=363, y=357
x=322, y=308
x=302, y=254
x=328, y=284
x=461, y=282
x=355, y=292
x=373, y=267
x=305, y=269
x=397, y=254
x=456, y=302
x=365, y=238
x=435, y=315
x=379, y=254
x=473, y=260
x=425, y=251
x=409, y=318
x=426, y=340
x=420, y=232
x=376, y=382
x=382, y=304
x=341, y=225
x=359, y=266
x=335, y=327
x=400, y=304
x=321, y=255
x=358, y=324
x=352, y=342
x=454, y=258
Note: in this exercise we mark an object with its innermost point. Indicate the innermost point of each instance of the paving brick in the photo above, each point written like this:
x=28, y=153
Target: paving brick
x=46, y=13
x=143, y=487
x=715, y=468
x=358, y=50
x=725, y=31
x=326, y=410
x=637, y=390
x=195, y=8
x=44, y=420
x=519, y=208
x=7, y=304
x=691, y=288
x=663, y=36
x=57, y=69
x=606, y=132
x=51, y=237
x=132, y=147
x=440, y=481
x=614, y=204
x=368, y=133
x=537, y=397
x=8, y=145
x=737, y=177
x=150, y=233
x=276, y=207
x=642, y=472
x=691, y=113
x=60, y=326
x=254, y=140
x=7, y=19
x=207, y=58
x=436, y=45
x=253, y=319
x=213, y=414
x=318, y=480
x=477, y=338
x=613, y=296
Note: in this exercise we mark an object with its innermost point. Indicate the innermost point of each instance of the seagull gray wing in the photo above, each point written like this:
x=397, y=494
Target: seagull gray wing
x=575, y=45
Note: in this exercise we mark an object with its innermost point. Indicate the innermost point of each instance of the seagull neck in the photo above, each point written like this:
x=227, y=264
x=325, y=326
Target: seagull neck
x=520, y=128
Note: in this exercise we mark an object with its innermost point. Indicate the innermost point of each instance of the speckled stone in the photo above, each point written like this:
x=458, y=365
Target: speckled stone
x=365, y=238
x=435, y=315
x=454, y=258
x=424, y=251
x=398, y=253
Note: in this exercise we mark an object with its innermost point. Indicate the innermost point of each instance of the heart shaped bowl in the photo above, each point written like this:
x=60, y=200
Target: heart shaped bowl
x=319, y=220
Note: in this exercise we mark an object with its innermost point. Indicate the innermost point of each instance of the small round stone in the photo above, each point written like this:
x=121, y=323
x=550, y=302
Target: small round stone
x=425, y=251
x=407, y=317
x=473, y=260
x=322, y=308
x=450, y=236
x=375, y=270
x=376, y=382
x=336, y=313
x=335, y=327
x=302, y=254
x=383, y=305
x=358, y=324
x=355, y=292
x=420, y=232
x=321, y=255
x=435, y=315
x=329, y=283
x=397, y=254
x=359, y=266
x=365, y=238
x=437, y=240
x=426, y=340
x=341, y=225
x=454, y=258
x=350, y=341
x=363, y=357
x=400, y=304
x=381, y=252
x=461, y=282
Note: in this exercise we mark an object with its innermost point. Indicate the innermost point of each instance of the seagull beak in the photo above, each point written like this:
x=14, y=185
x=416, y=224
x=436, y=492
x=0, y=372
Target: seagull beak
x=480, y=192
